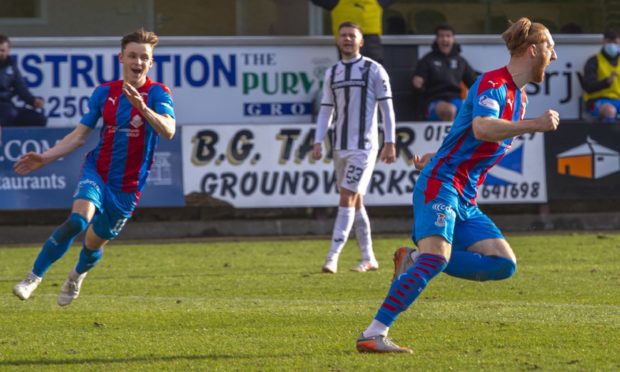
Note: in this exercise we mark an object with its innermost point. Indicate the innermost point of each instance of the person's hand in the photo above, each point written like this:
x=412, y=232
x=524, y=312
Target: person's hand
x=134, y=97
x=548, y=121
x=28, y=162
x=388, y=154
x=612, y=77
x=38, y=103
x=316, y=151
x=420, y=161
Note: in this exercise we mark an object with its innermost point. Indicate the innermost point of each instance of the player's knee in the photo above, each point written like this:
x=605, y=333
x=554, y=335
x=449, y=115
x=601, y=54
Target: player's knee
x=505, y=269
x=74, y=225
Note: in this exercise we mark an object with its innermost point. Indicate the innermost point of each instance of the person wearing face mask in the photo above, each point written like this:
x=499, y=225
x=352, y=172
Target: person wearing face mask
x=440, y=75
x=600, y=79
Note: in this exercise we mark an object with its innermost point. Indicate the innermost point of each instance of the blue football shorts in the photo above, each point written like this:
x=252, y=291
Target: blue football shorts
x=114, y=208
x=431, y=114
x=594, y=107
x=448, y=215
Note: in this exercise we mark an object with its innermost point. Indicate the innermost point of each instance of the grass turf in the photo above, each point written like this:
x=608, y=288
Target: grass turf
x=264, y=305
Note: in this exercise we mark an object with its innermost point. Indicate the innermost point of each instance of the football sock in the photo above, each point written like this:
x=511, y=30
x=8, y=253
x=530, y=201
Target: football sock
x=408, y=286
x=342, y=228
x=362, y=233
x=474, y=266
x=58, y=243
x=376, y=328
x=88, y=259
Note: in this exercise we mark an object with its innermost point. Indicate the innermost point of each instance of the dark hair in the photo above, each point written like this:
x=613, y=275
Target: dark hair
x=140, y=36
x=350, y=24
x=611, y=34
x=444, y=27
x=523, y=33
x=4, y=39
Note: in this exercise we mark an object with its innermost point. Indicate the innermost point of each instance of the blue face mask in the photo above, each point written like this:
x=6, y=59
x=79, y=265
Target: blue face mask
x=611, y=49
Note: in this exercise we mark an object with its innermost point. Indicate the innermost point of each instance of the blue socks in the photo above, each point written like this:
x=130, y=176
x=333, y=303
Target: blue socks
x=58, y=243
x=407, y=287
x=88, y=259
x=474, y=266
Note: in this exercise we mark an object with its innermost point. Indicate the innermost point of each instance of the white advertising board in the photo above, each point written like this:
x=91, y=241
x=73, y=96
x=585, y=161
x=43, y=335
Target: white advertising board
x=250, y=166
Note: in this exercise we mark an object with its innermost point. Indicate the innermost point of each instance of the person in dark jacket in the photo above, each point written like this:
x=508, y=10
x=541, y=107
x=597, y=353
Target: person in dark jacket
x=12, y=84
x=440, y=75
x=366, y=13
x=601, y=83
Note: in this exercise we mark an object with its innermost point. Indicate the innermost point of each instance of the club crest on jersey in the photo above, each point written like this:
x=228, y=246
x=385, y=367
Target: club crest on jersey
x=441, y=220
x=488, y=102
x=136, y=121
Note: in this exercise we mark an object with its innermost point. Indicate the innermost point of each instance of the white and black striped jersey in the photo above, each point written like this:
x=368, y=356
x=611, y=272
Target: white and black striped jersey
x=351, y=93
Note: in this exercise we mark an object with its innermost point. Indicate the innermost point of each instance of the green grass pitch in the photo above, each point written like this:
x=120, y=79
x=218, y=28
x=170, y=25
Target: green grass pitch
x=264, y=305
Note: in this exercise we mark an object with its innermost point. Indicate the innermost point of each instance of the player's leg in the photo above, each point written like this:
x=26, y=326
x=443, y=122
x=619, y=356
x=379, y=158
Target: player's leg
x=117, y=209
x=57, y=245
x=365, y=161
x=446, y=111
x=480, y=251
x=346, y=209
x=433, y=228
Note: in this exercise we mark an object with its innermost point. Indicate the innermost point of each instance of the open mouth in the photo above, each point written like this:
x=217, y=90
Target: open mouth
x=136, y=71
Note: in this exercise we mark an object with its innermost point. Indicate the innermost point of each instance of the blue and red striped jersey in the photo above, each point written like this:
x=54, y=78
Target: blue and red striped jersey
x=462, y=161
x=124, y=154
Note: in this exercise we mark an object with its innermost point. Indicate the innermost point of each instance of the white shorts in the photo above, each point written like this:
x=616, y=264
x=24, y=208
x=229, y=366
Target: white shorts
x=354, y=169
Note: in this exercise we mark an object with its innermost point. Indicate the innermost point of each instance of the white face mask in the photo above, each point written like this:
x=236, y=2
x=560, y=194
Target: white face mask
x=611, y=49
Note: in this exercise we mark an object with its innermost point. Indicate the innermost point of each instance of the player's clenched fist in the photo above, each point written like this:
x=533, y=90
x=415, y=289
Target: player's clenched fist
x=548, y=121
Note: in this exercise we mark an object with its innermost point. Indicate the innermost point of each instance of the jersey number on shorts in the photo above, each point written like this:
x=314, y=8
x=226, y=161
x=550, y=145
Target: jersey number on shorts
x=353, y=174
x=119, y=225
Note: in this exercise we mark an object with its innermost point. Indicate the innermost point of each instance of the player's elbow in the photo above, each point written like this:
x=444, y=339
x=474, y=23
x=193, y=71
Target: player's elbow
x=480, y=130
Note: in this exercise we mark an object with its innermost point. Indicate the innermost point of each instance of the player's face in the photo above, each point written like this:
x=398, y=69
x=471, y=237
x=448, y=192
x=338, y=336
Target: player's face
x=445, y=41
x=545, y=53
x=4, y=51
x=349, y=42
x=137, y=60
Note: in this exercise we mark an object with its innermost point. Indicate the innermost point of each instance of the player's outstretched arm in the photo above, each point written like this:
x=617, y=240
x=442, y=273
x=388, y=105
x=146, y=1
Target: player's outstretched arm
x=32, y=161
x=165, y=125
x=492, y=129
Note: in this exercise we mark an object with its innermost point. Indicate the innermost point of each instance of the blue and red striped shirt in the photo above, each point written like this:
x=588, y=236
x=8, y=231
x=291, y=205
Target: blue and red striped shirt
x=462, y=161
x=124, y=155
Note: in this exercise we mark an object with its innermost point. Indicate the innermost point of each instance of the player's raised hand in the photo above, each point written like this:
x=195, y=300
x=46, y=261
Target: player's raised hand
x=388, y=154
x=28, y=162
x=134, y=96
x=420, y=161
x=548, y=121
x=316, y=151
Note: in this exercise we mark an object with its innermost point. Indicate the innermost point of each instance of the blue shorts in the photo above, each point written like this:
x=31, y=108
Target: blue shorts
x=448, y=215
x=594, y=106
x=114, y=208
x=431, y=114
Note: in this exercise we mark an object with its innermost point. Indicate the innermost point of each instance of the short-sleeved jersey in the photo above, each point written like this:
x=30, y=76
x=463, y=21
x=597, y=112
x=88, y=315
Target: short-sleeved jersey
x=462, y=161
x=127, y=142
x=353, y=89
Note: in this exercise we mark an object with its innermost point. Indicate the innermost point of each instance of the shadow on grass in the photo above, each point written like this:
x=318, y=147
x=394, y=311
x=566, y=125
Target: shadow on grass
x=137, y=359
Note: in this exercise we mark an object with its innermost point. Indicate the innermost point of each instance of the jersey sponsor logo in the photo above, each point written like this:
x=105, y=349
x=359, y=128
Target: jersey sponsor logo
x=363, y=69
x=454, y=64
x=136, y=121
x=349, y=83
x=440, y=207
x=488, y=102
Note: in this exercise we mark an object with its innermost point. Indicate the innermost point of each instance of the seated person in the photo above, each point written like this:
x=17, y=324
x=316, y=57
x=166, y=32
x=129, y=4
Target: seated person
x=439, y=76
x=12, y=84
x=600, y=79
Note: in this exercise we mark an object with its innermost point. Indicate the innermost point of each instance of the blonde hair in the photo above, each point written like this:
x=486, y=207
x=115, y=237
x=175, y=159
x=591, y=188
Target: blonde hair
x=523, y=33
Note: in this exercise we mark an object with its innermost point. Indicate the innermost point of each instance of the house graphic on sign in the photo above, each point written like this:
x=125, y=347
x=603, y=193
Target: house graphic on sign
x=588, y=160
